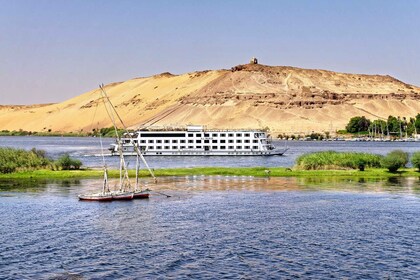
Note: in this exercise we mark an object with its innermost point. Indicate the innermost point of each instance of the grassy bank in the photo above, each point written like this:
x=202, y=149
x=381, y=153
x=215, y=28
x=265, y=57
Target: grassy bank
x=209, y=171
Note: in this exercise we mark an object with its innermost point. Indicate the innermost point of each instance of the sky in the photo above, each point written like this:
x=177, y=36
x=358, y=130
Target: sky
x=51, y=51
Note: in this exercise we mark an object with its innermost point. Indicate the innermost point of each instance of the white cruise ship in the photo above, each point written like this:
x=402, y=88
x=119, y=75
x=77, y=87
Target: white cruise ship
x=197, y=141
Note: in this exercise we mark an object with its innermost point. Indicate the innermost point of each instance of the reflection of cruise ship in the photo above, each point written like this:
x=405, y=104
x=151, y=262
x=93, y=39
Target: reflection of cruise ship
x=195, y=140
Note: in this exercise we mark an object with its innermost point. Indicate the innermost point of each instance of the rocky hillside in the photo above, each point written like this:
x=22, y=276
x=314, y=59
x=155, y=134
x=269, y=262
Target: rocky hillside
x=285, y=99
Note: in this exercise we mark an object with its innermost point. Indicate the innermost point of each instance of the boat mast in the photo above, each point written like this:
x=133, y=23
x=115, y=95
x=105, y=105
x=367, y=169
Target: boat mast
x=136, y=148
x=123, y=166
x=105, y=186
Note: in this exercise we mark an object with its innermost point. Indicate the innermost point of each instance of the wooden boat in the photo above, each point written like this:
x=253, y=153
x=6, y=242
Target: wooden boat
x=141, y=194
x=122, y=195
x=125, y=191
x=96, y=197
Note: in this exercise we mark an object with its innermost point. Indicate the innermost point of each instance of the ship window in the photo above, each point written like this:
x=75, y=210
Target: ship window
x=247, y=147
x=190, y=141
x=246, y=134
x=142, y=141
x=167, y=147
x=174, y=147
x=199, y=147
x=230, y=141
x=155, y=135
x=222, y=147
x=151, y=141
x=238, y=147
x=223, y=135
x=238, y=141
x=214, y=147
x=255, y=147
x=151, y=147
x=246, y=141
x=214, y=141
x=214, y=135
x=206, y=141
x=255, y=141
x=174, y=141
x=158, y=141
x=190, y=135
x=223, y=141
x=206, y=135
x=238, y=134
x=230, y=134
x=182, y=147
x=198, y=135
x=159, y=147
x=231, y=147
x=167, y=141
x=190, y=147
x=182, y=141
x=198, y=141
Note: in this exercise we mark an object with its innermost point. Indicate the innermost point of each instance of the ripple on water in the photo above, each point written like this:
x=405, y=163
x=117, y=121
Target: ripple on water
x=213, y=228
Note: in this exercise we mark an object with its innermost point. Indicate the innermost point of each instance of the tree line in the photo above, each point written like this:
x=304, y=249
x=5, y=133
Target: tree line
x=393, y=126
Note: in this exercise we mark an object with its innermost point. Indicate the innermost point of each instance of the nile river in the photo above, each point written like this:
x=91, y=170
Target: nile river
x=212, y=227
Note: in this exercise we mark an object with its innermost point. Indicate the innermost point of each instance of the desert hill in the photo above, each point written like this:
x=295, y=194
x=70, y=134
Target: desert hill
x=286, y=99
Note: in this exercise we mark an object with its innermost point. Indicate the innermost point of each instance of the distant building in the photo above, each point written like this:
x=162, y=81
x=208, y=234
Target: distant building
x=254, y=60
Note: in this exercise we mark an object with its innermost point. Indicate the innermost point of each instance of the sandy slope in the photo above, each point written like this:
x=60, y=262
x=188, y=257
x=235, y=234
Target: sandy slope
x=285, y=99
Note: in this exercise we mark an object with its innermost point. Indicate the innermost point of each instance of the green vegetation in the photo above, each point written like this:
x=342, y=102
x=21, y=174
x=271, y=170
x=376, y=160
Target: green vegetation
x=393, y=126
x=67, y=163
x=358, y=124
x=330, y=160
x=21, y=132
x=415, y=160
x=212, y=171
x=394, y=160
x=14, y=160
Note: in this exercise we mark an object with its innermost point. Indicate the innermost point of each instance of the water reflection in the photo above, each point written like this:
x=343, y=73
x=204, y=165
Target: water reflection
x=187, y=184
x=213, y=227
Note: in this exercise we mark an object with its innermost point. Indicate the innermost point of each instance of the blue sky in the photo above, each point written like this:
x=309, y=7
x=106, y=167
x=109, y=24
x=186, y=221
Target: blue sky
x=51, y=51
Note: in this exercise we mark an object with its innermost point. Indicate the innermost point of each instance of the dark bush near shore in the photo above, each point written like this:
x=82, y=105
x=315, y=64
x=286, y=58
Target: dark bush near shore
x=67, y=163
x=337, y=160
x=12, y=160
x=394, y=160
x=415, y=160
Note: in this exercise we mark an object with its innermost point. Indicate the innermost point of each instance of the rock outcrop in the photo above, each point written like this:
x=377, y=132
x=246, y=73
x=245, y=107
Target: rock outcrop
x=285, y=99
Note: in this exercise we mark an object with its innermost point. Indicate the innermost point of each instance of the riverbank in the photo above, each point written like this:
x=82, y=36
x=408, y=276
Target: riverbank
x=212, y=171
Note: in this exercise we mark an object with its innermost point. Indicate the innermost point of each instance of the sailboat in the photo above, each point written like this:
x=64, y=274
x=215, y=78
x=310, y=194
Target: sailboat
x=125, y=185
x=105, y=194
x=125, y=190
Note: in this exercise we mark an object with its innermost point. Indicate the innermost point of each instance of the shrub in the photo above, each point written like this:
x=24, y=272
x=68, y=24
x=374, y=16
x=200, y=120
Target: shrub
x=12, y=160
x=334, y=160
x=394, y=160
x=415, y=160
x=67, y=163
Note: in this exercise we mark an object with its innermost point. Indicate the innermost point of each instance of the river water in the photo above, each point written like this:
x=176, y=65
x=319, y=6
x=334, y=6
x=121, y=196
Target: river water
x=212, y=227
x=88, y=150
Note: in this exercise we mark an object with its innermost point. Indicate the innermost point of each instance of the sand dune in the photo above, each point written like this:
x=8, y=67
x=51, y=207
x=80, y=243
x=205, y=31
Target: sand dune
x=285, y=99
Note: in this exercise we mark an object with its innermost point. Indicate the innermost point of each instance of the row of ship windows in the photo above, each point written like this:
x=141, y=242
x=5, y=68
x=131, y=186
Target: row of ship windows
x=221, y=134
x=196, y=141
x=196, y=147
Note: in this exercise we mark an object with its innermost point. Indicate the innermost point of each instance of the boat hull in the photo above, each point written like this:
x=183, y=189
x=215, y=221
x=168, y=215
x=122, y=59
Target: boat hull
x=204, y=153
x=123, y=196
x=141, y=195
x=100, y=198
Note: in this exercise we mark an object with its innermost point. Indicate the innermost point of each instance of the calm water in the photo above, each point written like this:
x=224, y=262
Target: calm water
x=213, y=228
x=88, y=150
